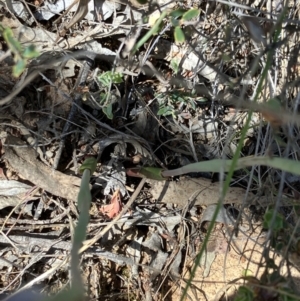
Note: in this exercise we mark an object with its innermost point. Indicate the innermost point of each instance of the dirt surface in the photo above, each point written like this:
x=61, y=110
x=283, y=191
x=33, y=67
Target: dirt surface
x=227, y=271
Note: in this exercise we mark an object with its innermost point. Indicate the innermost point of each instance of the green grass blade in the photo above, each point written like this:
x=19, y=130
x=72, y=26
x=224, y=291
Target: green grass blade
x=216, y=165
x=151, y=32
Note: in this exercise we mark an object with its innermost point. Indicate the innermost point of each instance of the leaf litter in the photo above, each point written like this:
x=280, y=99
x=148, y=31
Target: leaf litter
x=148, y=252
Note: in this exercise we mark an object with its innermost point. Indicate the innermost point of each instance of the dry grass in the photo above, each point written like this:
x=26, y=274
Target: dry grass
x=176, y=104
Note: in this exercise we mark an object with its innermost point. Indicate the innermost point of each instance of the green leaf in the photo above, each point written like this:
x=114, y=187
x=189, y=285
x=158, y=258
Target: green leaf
x=191, y=14
x=12, y=43
x=146, y=172
x=244, y=294
x=177, y=13
x=165, y=111
x=192, y=104
x=103, y=97
x=110, y=77
x=175, y=22
x=270, y=222
x=107, y=110
x=30, y=52
x=153, y=173
x=104, y=80
x=20, y=55
x=89, y=163
x=117, y=78
x=19, y=67
x=247, y=273
x=201, y=99
x=143, y=2
x=160, y=96
x=179, y=35
x=180, y=99
x=215, y=165
x=174, y=65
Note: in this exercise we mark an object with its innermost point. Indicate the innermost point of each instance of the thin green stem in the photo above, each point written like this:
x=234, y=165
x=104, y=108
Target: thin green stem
x=151, y=32
x=84, y=203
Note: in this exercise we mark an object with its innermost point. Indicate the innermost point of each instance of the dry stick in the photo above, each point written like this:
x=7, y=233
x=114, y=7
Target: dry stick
x=90, y=242
x=65, y=12
x=80, y=13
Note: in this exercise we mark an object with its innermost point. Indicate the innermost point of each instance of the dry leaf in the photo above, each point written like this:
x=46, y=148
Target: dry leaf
x=114, y=207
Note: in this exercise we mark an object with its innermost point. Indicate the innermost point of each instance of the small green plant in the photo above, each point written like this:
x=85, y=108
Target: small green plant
x=244, y=293
x=280, y=230
x=77, y=289
x=177, y=18
x=106, y=79
x=273, y=220
x=21, y=54
x=168, y=102
x=215, y=165
x=174, y=64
